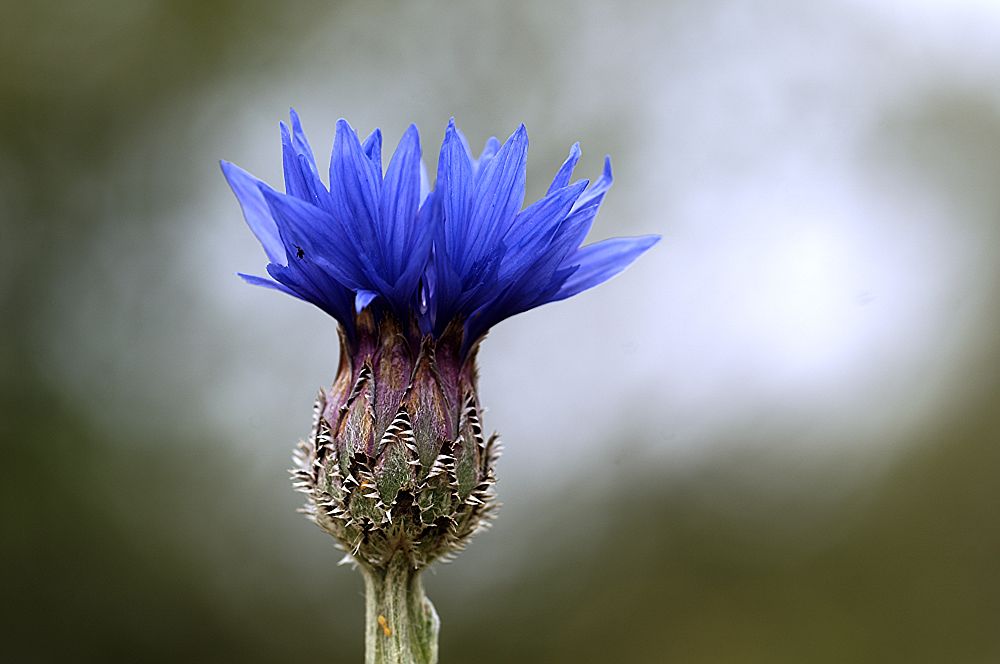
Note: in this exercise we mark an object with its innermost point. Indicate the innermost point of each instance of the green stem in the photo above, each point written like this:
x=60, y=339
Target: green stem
x=401, y=624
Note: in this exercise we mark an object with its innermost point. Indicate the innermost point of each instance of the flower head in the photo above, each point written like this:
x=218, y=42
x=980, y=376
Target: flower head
x=463, y=254
x=397, y=461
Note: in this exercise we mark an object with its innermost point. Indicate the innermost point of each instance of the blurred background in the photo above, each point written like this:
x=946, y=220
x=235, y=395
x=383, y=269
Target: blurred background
x=774, y=439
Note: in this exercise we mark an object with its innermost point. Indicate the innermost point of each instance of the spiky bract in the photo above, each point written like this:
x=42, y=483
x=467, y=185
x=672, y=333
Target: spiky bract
x=396, y=459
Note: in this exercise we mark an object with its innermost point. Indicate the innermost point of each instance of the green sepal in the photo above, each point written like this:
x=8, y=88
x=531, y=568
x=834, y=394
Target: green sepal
x=435, y=499
x=357, y=427
x=466, y=467
x=394, y=469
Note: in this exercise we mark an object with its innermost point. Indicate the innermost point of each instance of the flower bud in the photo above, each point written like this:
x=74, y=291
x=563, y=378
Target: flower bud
x=396, y=459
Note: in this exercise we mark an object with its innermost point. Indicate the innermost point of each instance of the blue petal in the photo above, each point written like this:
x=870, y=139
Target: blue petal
x=331, y=301
x=309, y=234
x=536, y=284
x=295, y=179
x=489, y=151
x=254, y=280
x=372, y=147
x=363, y=299
x=535, y=226
x=465, y=144
x=355, y=185
x=585, y=209
x=600, y=261
x=255, y=210
x=595, y=194
x=454, y=182
x=419, y=249
x=499, y=192
x=317, y=287
x=443, y=286
x=539, y=280
x=299, y=141
x=301, y=175
x=577, y=224
x=400, y=201
x=425, y=183
x=566, y=170
x=434, y=296
x=316, y=193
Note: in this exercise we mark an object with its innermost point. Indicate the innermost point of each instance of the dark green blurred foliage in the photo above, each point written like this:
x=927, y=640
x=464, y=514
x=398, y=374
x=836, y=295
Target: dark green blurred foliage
x=168, y=551
x=104, y=549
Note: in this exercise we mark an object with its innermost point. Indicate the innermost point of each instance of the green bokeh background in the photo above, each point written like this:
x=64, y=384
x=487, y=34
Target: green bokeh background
x=138, y=528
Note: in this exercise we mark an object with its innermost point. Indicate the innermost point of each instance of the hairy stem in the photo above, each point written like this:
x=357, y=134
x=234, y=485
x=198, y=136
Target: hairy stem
x=401, y=624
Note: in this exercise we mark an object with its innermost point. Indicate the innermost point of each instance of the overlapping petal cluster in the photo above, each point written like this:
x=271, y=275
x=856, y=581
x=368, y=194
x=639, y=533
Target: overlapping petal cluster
x=465, y=252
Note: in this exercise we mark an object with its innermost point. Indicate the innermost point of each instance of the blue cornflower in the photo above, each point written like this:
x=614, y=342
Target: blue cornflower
x=463, y=254
x=396, y=467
